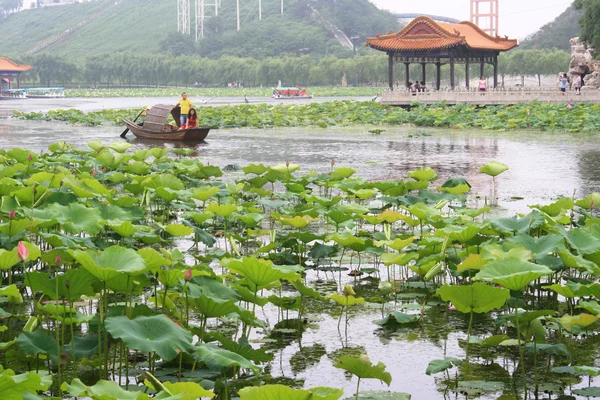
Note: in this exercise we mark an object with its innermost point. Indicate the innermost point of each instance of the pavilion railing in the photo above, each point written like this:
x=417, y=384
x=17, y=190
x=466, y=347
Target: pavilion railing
x=493, y=96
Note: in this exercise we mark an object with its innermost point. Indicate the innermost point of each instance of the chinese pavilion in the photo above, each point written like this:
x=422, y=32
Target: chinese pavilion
x=425, y=41
x=9, y=70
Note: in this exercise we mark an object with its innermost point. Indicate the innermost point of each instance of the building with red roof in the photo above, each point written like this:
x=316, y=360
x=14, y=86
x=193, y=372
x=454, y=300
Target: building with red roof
x=10, y=70
x=425, y=41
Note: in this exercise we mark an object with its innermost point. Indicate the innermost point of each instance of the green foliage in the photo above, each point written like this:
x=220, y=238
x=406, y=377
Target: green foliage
x=541, y=116
x=363, y=368
x=590, y=27
x=556, y=34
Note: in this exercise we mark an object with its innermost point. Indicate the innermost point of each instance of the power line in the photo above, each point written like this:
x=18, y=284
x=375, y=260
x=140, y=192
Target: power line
x=536, y=9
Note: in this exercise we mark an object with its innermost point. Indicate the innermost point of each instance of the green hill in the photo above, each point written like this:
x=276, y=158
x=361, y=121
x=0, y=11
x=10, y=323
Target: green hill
x=150, y=26
x=556, y=34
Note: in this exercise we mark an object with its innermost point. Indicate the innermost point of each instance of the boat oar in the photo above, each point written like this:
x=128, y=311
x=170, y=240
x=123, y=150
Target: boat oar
x=127, y=129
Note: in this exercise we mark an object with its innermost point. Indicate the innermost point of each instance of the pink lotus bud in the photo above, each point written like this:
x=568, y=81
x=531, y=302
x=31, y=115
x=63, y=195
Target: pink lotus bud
x=95, y=172
x=12, y=214
x=569, y=106
x=592, y=205
x=22, y=251
x=67, y=284
x=104, y=169
x=58, y=260
x=30, y=158
x=332, y=163
x=451, y=307
x=287, y=163
x=188, y=275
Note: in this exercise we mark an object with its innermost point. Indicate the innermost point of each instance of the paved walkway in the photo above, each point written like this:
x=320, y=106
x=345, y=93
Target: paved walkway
x=494, y=97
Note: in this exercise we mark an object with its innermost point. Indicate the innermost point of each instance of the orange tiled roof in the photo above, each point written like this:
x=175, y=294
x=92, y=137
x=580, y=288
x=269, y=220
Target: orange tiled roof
x=9, y=66
x=423, y=33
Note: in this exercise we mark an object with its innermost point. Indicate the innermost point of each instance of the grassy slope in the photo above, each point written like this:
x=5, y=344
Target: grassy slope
x=141, y=25
x=23, y=31
x=556, y=34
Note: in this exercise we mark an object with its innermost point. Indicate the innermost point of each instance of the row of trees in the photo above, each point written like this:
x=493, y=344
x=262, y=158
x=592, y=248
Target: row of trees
x=133, y=70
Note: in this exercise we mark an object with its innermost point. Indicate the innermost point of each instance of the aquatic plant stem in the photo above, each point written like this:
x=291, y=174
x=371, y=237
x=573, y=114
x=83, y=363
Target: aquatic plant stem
x=468, y=337
x=521, y=351
x=357, y=387
x=56, y=333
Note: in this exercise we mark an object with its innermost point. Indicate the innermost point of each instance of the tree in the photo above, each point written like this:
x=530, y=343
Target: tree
x=590, y=21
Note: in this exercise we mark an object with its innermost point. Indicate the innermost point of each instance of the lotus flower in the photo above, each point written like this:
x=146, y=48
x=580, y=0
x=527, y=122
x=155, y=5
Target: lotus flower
x=30, y=158
x=188, y=275
x=569, y=106
x=58, y=260
x=67, y=284
x=22, y=251
x=12, y=214
x=287, y=164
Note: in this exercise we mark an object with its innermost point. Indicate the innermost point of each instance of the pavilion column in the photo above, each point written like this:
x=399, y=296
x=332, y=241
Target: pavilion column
x=19, y=81
x=481, y=66
x=423, y=73
x=452, y=72
x=438, y=77
x=391, y=71
x=495, y=72
x=467, y=72
x=406, y=74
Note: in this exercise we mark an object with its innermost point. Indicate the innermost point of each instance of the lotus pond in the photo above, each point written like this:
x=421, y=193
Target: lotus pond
x=538, y=116
x=133, y=272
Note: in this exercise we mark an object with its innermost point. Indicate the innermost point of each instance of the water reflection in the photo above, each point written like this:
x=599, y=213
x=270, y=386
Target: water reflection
x=542, y=165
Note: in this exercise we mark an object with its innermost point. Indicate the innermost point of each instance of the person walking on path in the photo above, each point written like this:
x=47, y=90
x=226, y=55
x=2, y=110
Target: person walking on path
x=564, y=81
x=185, y=104
x=578, y=84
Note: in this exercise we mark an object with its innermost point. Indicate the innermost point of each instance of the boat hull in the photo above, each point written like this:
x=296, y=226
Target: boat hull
x=188, y=135
x=293, y=98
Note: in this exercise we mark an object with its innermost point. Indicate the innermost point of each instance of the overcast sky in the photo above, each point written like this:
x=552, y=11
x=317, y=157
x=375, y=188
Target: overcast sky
x=518, y=18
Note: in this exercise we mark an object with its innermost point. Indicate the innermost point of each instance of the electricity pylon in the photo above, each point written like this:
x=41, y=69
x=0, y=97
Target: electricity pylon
x=484, y=14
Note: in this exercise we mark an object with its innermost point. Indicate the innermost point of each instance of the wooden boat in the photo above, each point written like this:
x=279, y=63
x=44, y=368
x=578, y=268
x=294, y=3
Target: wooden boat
x=155, y=126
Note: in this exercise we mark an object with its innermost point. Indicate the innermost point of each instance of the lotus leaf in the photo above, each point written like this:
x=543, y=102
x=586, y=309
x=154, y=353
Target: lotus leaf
x=190, y=390
x=396, y=318
x=151, y=334
x=364, y=369
x=423, y=174
x=493, y=168
x=437, y=366
x=590, y=306
x=16, y=387
x=557, y=350
x=111, y=262
x=217, y=358
x=258, y=274
x=37, y=342
x=472, y=262
x=513, y=274
x=103, y=390
x=179, y=230
x=222, y=210
x=381, y=395
x=12, y=293
x=592, y=391
x=582, y=320
x=478, y=297
x=346, y=300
